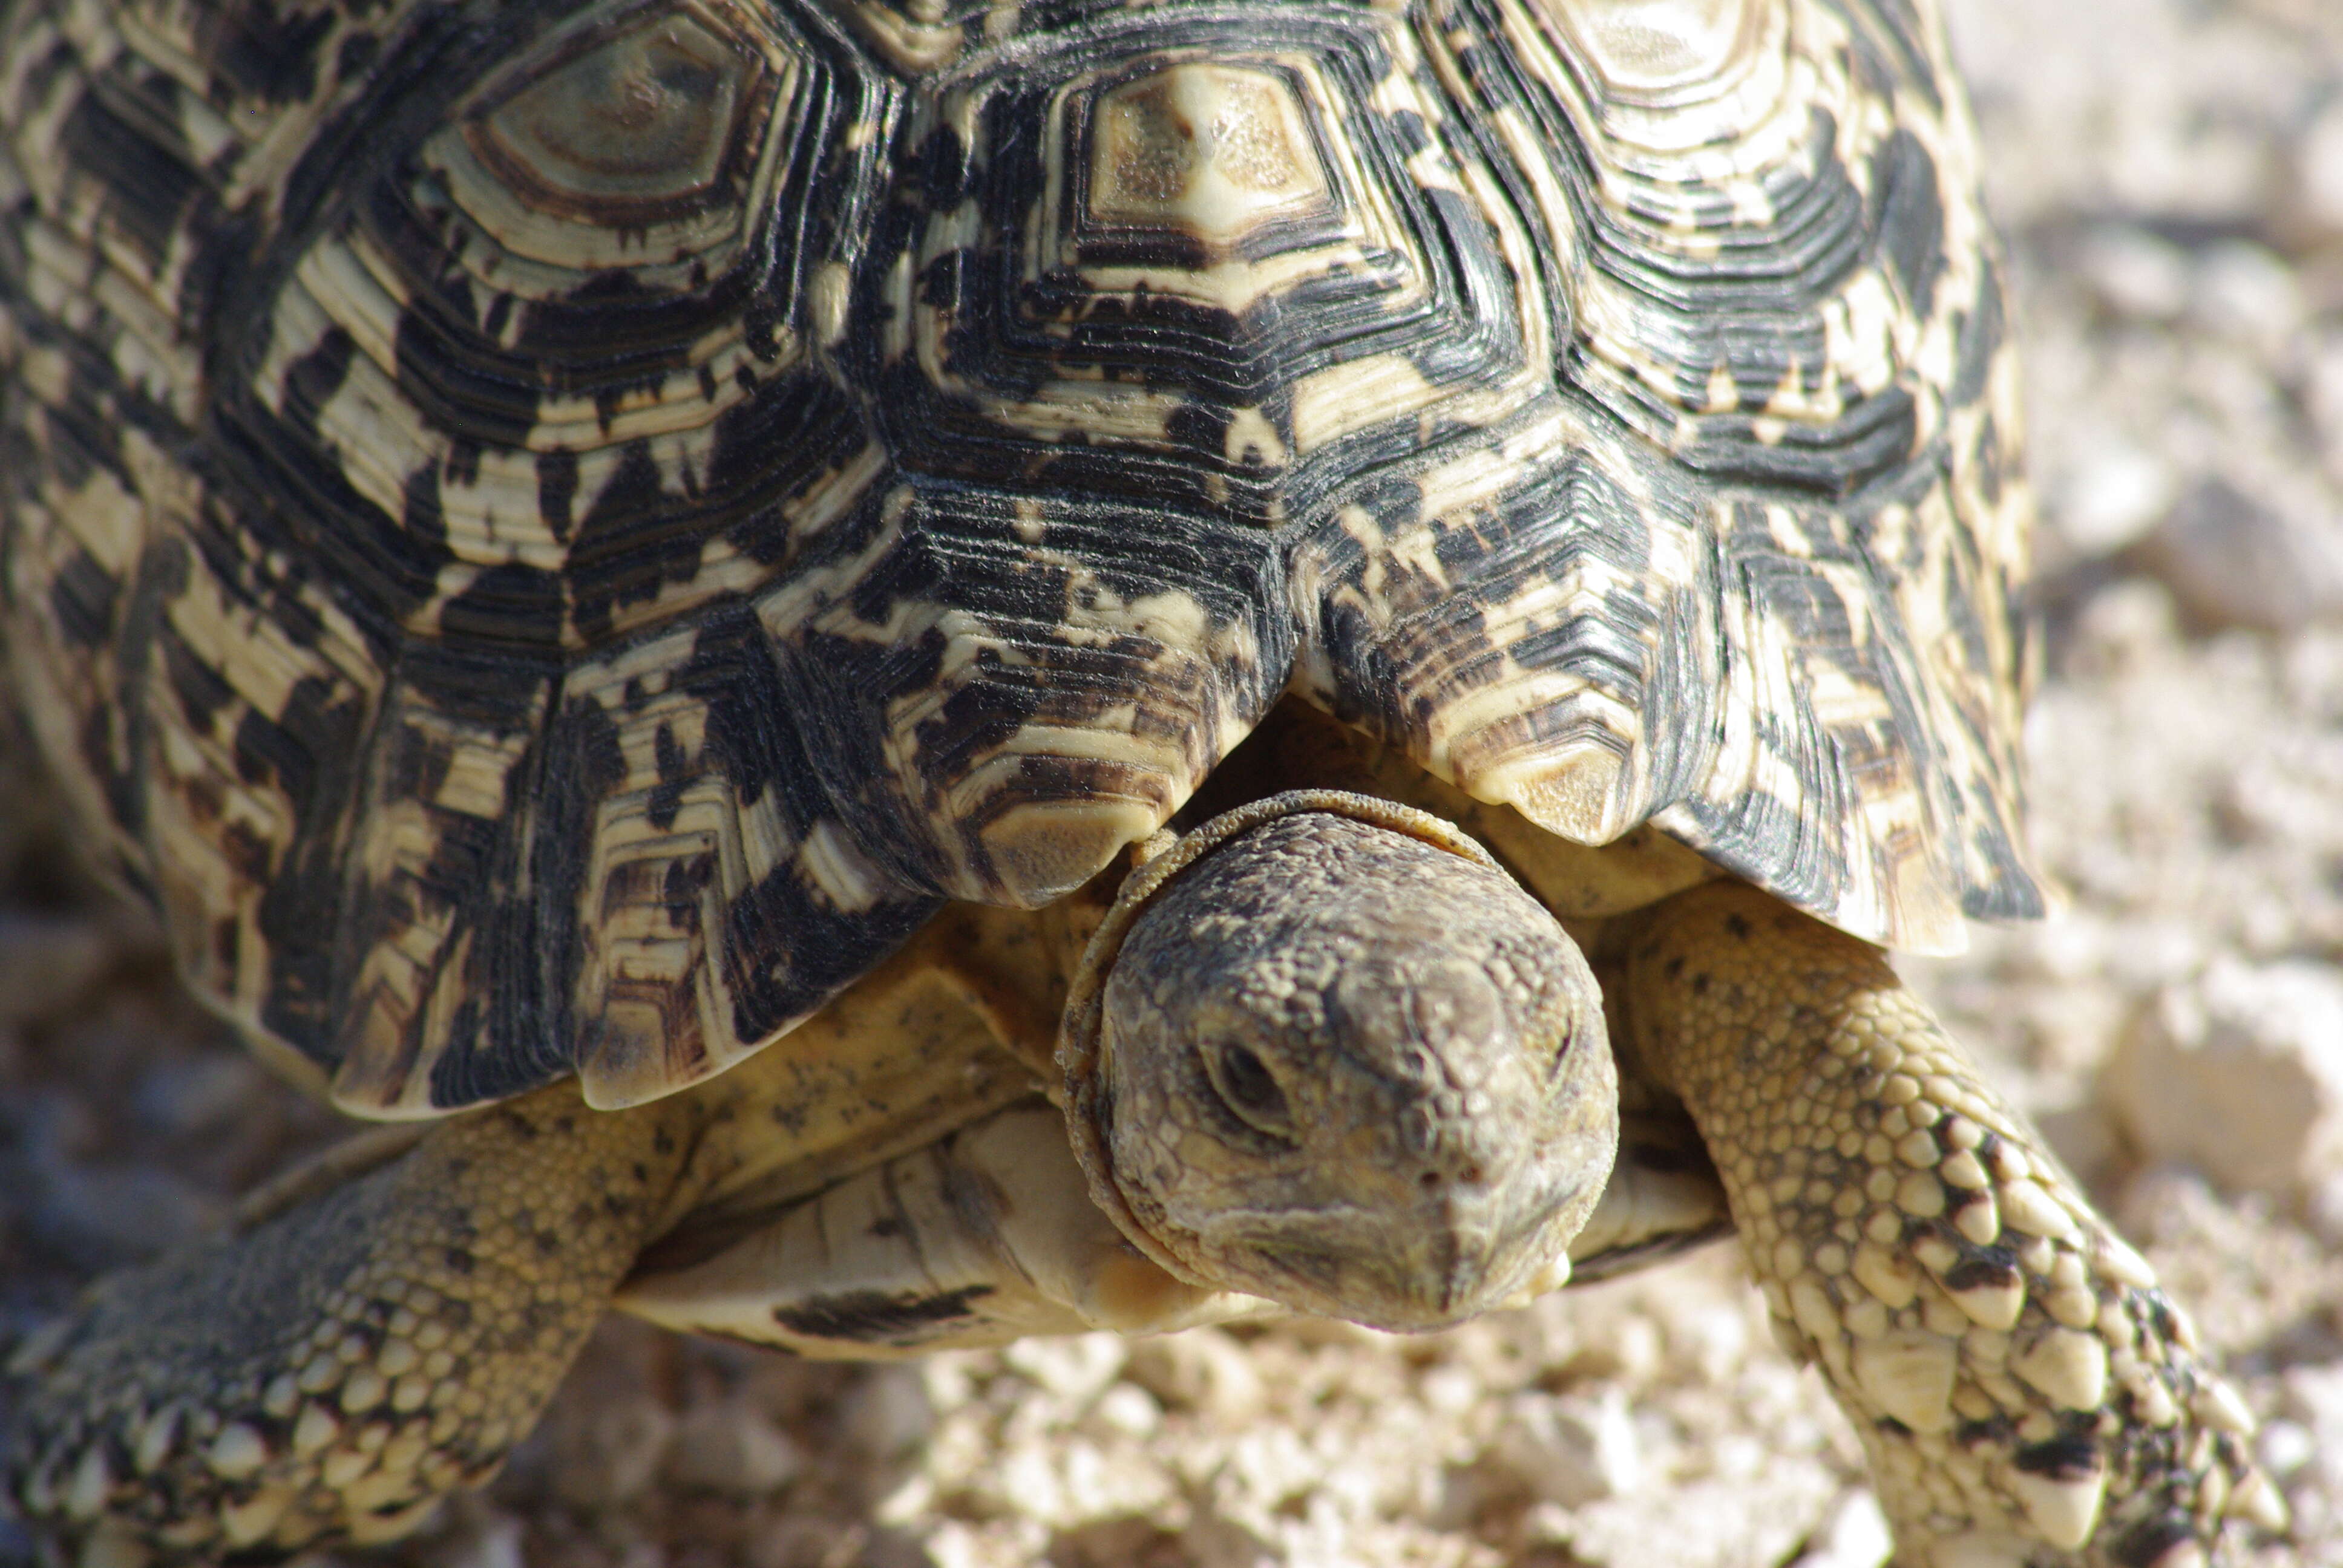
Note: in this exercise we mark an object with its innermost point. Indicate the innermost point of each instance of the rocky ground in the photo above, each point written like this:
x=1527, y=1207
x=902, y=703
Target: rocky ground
x=2171, y=176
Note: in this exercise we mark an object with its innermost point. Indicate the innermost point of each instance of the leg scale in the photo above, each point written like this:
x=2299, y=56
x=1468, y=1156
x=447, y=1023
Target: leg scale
x=2026, y=1392
x=332, y=1371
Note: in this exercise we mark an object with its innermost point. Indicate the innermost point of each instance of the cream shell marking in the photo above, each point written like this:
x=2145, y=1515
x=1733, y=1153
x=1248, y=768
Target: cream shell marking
x=552, y=545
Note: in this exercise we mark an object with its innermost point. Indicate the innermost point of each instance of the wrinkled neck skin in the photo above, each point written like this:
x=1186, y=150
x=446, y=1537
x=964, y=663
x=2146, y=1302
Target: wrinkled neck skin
x=1342, y=1060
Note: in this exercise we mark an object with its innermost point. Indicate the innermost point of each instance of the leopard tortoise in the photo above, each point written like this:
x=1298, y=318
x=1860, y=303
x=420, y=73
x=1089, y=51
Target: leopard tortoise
x=889, y=673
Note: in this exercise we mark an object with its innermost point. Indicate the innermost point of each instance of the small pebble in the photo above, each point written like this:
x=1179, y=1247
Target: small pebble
x=888, y=1413
x=1571, y=1452
x=731, y=1448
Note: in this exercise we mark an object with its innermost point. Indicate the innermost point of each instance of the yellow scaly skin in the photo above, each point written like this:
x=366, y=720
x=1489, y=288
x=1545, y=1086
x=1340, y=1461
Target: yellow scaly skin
x=2025, y=1391
x=334, y=1372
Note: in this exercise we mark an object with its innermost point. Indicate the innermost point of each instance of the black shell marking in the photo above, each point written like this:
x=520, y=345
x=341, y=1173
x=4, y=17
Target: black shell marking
x=549, y=537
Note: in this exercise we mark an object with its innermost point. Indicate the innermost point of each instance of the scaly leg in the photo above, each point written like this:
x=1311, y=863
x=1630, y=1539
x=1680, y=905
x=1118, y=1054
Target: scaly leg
x=2026, y=1394
x=333, y=1370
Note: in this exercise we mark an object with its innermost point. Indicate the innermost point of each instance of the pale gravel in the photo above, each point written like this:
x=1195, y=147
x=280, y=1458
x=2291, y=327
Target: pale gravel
x=2171, y=174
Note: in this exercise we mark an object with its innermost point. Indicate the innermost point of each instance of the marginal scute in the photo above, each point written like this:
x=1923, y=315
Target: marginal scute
x=1574, y=794
x=1041, y=850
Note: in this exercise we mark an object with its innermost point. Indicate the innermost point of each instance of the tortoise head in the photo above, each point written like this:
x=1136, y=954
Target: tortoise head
x=1325, y=1050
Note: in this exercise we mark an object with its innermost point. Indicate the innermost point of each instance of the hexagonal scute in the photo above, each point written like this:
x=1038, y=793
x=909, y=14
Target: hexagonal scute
x=623, y=140
x=1213, y=151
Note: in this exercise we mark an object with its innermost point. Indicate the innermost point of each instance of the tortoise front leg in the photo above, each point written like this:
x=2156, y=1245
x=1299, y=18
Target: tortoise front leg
x=332, y=1371
x=2026, y=1394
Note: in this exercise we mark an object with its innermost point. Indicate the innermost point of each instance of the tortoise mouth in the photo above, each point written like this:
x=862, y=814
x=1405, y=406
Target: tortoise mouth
x=1459, y=1253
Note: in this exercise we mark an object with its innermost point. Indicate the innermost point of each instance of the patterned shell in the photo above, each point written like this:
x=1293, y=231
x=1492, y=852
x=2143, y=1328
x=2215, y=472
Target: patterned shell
x=547, y=536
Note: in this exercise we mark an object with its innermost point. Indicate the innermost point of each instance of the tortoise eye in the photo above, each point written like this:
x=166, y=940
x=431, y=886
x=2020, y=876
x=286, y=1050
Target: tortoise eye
x=1250, y=1091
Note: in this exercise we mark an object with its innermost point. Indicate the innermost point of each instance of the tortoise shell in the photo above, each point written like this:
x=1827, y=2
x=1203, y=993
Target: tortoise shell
x=549, y=537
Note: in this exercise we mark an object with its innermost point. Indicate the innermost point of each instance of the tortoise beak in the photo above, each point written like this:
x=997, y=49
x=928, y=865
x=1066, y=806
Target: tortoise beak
x=1460, y=1249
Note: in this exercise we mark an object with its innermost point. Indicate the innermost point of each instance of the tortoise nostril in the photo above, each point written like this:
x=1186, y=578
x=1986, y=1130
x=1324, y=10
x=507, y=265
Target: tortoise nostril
x=1468, y=1175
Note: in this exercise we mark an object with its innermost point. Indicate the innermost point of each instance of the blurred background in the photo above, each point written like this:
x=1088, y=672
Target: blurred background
x=2169, y=174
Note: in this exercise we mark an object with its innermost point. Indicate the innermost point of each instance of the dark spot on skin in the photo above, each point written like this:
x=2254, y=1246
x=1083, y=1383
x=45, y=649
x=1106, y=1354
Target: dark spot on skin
x=1700, y=984
x=1738, y=928
x=887, y=1229
x=874, y=1317
x=2148, y=1543
x=1960, y=1198
x=1993, y=1431
x=1993, y=1266
x=460, y=1260
x=2069, y=1458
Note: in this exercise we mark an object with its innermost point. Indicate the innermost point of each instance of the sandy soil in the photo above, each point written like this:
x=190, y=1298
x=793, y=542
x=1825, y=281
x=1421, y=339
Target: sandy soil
x=2170, y=173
